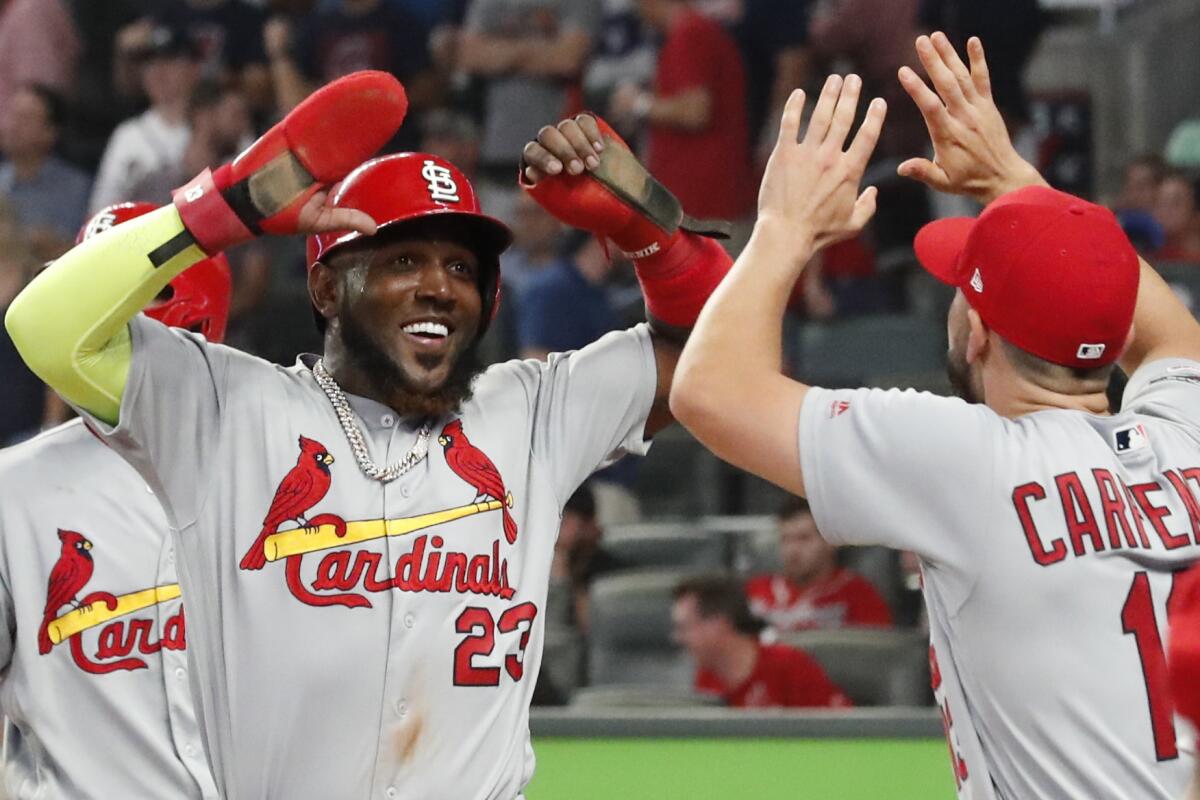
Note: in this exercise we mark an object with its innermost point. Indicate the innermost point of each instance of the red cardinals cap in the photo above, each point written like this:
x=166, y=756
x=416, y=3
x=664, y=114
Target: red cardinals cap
x=409, y=186
x=199, y=296
x=1050, y=273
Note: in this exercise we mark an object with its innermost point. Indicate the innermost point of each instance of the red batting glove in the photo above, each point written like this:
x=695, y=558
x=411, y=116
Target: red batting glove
x=262, y=191
x=677, y=264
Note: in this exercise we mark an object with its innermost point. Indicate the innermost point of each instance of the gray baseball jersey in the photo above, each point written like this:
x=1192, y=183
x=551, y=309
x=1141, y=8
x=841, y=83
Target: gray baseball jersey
x=1049, y=546
x=96, y=696
x=358, y=639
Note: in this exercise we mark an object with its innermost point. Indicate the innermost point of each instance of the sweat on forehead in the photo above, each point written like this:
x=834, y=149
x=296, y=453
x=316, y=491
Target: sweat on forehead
x=448, y=228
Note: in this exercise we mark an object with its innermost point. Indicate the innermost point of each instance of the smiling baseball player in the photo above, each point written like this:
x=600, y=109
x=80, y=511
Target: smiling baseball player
x=95, y=689
x=365, y=538
x=1049, y=530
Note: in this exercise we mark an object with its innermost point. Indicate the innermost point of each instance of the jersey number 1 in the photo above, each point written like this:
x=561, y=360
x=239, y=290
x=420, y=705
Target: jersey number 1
x=1137, y=618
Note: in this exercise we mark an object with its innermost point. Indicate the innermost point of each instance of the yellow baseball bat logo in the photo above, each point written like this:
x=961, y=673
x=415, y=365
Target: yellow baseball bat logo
x=298, y=541
x=98, y=613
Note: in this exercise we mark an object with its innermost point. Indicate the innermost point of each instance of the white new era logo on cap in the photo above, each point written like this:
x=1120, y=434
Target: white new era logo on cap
x=977, y=281
x=1090, y=351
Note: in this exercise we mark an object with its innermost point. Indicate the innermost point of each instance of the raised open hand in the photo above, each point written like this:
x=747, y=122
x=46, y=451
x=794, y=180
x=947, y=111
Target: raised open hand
x=811, y=185
x=973, y=153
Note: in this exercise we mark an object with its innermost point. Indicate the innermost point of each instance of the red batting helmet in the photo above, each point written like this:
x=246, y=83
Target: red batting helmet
x=412, y=186
x=199, y=297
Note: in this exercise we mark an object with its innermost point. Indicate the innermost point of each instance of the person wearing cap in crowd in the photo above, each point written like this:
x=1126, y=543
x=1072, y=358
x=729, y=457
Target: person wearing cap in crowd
x=1049, y=529
x=144, y=156
x=365, y=538
x=93, y=644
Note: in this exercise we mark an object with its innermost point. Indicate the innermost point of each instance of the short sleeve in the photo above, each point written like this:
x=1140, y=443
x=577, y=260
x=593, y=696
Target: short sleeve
x=592, y=406
x=903, y=469
x=170, y=414
x=1168, y=388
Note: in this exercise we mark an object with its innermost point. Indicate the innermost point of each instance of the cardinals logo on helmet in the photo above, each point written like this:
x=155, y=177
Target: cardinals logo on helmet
x=473, y=466
x=119, y=637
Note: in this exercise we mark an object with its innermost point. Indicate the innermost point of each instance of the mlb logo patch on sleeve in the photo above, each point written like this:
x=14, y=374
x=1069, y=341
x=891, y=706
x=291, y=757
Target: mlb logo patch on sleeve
x=1131, y=438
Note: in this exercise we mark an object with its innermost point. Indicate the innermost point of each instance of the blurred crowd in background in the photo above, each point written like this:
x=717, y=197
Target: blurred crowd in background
x=123, y=100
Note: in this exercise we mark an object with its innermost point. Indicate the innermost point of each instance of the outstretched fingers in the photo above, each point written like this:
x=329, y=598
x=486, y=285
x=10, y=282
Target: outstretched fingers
x=957, y=68
x=822, y=116
x=793, y=114
x=929, y=104
x=868, y=136
x=980, y=74
x=939, y=72
x=844, y=112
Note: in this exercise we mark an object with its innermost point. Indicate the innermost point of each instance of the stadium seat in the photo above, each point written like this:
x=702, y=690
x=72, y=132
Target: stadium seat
x=641, y=696
x=874, y=667
x=562, y=657
x=678, y=478
x=630, y=633
x=846, y=353
x=666, y=544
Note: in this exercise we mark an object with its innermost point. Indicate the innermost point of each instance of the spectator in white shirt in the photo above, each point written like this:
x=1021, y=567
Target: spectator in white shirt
x=144, y=157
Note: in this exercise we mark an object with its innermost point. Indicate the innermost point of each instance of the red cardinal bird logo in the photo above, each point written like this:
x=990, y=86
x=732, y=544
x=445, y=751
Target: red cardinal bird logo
x=301, y=489
x=70, y=574
x=473, y=466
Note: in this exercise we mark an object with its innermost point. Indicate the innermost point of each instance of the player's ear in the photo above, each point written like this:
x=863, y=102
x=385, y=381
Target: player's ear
x=323, y=289
x=977, y=340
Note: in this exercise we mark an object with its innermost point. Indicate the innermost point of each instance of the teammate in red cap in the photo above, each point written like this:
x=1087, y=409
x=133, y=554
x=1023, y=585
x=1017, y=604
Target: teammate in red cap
x=366, y=536
x=94, y=637
x=1050, y=528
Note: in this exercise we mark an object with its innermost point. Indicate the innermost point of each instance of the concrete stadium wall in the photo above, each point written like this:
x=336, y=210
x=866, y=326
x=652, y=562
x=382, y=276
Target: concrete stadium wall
x=1142, y=71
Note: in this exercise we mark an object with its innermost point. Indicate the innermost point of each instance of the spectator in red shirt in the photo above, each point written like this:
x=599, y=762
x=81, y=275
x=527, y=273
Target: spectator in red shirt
x=812, y=591
x=712, y=621
x=699, y=140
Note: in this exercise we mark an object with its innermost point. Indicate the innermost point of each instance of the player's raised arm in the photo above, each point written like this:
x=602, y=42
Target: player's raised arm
x=730, y=391
x=974, y=156
x=584, y=174
x=70, y=324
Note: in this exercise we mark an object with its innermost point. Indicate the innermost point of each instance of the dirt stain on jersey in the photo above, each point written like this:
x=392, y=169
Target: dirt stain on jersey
x=409, y=736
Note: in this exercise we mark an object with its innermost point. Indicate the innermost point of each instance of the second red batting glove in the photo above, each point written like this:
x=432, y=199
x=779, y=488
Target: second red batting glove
x=677, y=261
x=323, y=139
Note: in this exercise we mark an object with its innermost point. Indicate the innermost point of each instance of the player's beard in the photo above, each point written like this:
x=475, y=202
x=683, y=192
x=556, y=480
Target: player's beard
x=959, y=373
x=391, y=381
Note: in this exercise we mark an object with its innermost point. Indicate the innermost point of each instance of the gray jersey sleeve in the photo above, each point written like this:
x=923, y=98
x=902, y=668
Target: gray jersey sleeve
x=1168, y=388
x=170, y=414
x=8, y=613
x=900, y=469
x=592, y=404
